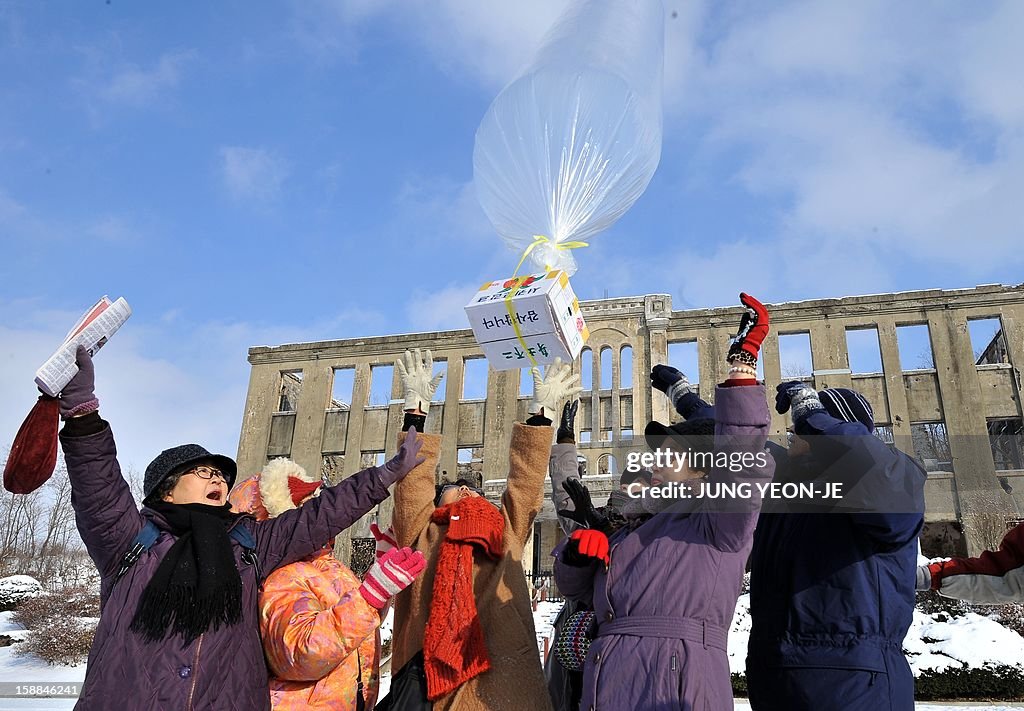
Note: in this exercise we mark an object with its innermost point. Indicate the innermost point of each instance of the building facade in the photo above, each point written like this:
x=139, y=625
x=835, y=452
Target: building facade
x=334, y=406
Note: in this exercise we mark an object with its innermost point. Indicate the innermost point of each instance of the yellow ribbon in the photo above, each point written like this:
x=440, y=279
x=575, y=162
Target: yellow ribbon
x=517, y=280
x=541, y=239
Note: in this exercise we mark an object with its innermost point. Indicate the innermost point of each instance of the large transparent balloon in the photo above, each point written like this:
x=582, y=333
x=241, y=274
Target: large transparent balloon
x=570, y=145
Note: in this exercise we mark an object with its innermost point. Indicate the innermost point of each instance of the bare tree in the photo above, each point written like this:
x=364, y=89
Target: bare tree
x=794, y=371
x=38, y=535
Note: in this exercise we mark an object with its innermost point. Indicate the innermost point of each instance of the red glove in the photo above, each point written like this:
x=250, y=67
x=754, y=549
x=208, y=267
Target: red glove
x=752, y=332
x=586, y=545
x=385, y=540
x=935, y=569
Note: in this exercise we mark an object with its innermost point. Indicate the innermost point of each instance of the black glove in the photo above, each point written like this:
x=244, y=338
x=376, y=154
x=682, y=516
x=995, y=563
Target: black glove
x=584, y=514
x=567, y=426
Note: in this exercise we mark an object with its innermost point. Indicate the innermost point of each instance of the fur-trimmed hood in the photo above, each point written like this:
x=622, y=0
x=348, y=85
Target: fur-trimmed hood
x=274, y=490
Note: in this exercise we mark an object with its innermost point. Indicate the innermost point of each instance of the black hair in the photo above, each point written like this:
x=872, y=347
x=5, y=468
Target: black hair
x=445, y=484
x=165, y=487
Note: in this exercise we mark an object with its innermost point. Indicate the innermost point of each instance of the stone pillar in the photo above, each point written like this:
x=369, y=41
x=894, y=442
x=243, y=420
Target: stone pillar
x=828, y=354
x=354, y=434
x=1012, y=320
x=960, y=389
x=895, y=387
x=309, y=417
x=261, y=400
x=616, y=385
x=499, y=415
x=657, y=310
x=448, y=460
x=771, y=363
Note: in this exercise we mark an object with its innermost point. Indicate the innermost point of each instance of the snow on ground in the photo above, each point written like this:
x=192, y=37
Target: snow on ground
x=937, y=641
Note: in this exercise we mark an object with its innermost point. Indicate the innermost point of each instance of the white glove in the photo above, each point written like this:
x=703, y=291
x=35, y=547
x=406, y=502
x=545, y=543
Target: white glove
x=418, y=379
x=558, y=385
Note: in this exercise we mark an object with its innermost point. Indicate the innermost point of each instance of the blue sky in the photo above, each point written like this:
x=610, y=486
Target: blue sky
x=252, y=174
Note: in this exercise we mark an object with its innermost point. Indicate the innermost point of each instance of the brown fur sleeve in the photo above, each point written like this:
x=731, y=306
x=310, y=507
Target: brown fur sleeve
x=414, y=495
x=527, y=475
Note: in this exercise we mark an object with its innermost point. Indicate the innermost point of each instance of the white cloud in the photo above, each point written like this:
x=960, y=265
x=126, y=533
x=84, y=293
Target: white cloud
x=441, y=309
x=136, y=86
x=252, y=173
x=487, y=41
x=447, y=209
x=113, y=229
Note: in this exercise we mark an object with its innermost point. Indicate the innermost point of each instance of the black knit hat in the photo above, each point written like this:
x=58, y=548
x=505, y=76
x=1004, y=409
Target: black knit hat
x=180, y=458
x=627, y=477
x=699, y=434
x=848, y=405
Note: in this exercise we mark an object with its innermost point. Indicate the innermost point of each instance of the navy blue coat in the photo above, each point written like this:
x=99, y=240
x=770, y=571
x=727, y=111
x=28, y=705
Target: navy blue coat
x=832, y=594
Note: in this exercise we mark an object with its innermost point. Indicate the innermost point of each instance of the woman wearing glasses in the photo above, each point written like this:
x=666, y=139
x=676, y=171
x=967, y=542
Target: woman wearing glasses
x=464, y=634
x=179, y=579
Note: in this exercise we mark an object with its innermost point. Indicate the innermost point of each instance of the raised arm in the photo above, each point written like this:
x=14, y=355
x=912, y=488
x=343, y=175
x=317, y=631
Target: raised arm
x=297, y=533
x=105, y=512
x=414, y=497
x=680, y=392
x=741, y=429
x=531, y=448
x=564, y=465
x=993, y=578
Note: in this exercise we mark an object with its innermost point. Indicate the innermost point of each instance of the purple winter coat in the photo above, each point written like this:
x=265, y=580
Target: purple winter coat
x=222, y=670
x=665, y=603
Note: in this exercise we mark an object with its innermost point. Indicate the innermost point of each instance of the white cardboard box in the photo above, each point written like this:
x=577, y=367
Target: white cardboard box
x=547, y=312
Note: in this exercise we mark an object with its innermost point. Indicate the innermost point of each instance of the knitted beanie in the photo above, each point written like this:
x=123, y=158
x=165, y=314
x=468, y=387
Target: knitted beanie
x=848, y=405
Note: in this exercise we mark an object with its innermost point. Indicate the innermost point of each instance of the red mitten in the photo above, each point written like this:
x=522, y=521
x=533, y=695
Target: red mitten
x=752, y=332
x=34, y=452
x=935, y=569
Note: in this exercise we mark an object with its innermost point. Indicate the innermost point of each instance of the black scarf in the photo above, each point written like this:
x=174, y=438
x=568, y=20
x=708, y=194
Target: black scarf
x=197, y=583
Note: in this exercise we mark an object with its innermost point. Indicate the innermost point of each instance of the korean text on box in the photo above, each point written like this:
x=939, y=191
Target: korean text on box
x=547, y=314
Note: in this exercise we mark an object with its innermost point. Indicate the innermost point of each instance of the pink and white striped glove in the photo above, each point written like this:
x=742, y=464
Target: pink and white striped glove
x=390, y=575
x=385, y=539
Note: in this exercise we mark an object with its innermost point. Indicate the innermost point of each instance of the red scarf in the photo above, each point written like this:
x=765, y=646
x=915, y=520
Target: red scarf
x=453, y=645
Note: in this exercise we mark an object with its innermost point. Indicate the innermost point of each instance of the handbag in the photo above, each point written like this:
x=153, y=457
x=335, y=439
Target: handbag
x=574, y=639
x=408, y=689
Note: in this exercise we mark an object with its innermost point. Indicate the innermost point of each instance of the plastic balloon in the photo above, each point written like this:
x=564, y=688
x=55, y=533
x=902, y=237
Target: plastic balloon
x=569, y=146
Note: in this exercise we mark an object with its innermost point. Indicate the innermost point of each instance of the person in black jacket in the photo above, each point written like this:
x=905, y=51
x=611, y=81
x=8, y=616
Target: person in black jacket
x=832, y=587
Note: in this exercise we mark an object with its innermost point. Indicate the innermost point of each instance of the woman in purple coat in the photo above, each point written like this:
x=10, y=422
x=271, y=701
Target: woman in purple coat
x=665, y=587
x=179, y=624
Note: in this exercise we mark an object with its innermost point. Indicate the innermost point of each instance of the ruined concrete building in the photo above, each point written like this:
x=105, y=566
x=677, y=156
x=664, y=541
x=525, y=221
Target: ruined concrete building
x=942, y=369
